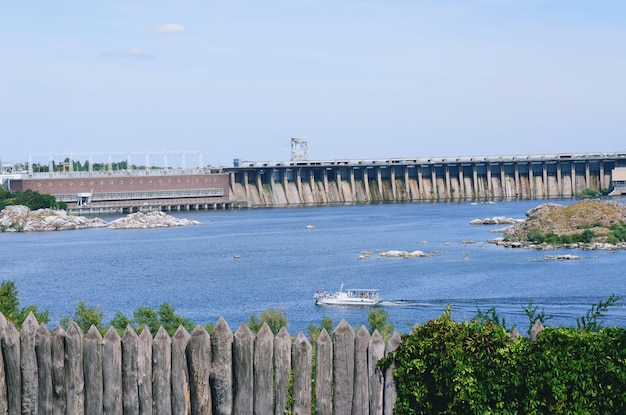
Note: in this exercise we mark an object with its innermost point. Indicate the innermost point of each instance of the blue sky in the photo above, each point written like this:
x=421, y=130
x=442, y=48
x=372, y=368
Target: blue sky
x=357, y=79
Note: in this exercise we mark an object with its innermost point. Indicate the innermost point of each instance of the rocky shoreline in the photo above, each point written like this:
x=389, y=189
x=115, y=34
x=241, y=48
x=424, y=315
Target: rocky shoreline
x=22, y=219
x=548, y=225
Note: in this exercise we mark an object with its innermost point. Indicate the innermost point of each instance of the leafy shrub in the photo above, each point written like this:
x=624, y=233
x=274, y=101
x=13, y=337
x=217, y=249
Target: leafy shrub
x=590, y=192
x=587, y=236
x=535, y=236
x=10, y=306
x=274, y=318
x=474, y=368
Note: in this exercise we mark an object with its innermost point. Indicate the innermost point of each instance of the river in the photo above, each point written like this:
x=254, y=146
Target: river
x=240, y=262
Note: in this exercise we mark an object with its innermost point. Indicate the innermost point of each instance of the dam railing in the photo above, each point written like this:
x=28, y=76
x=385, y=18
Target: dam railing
x=58, y=371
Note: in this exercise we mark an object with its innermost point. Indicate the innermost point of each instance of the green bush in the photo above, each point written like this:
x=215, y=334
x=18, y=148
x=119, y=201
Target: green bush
x=10, y=306
x=535, y=236
x=587, y=236
x=475, y=368
x=274, y=318
x=590, y=192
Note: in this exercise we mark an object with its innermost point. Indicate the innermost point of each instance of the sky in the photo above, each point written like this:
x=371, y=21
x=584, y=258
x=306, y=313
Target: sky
x=358, y=79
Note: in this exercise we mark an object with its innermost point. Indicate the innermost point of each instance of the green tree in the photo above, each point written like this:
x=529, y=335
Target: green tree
x=377, y=320
x=120, y=321
x=274, y=318
x=535, y=236
x=10, y=306
x=9, y=303
x=314, y=331
x=587, y=236
x=85, y=316
x=165, y=316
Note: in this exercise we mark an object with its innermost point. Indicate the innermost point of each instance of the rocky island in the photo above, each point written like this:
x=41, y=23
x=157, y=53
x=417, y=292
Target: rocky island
x=589, y=224
x=22, y=219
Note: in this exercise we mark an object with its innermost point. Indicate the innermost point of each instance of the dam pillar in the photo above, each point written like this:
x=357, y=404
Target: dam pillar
x=489, y=184
x=573, y=175
x=461, y=182
x=246, y=187
x=518, y=185
x=298, y=179
x=546, y=186
x=587, y=176
x=366, y=183
x=559, y=180
x=352, y=185
x=433, y=177
x=531, y=179
x=392, y=178
x=407, y=187
x=420, y=183
x=447, y=172
x=502, y=182
x=379, y=182
x=475, y=187
x=325, y=181
x=313, y=186
x=602, y=187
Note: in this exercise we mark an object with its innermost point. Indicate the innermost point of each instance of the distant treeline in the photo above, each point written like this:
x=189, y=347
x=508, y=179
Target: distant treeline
x=86, y=166
x=31, y=198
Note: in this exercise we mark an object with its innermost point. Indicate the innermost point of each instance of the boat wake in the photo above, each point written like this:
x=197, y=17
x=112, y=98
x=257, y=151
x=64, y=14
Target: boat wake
x=405, y=303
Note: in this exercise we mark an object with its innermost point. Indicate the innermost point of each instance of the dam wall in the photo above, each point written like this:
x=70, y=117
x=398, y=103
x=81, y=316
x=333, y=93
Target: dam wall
x=258, y=184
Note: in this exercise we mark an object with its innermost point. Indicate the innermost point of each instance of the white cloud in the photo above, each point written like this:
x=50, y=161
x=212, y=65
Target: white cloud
x=132, y=53
x=170, y=28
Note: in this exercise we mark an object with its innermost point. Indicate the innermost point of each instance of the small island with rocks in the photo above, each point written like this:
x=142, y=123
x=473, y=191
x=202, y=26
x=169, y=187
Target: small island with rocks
x=17, y=218
x=588, y=224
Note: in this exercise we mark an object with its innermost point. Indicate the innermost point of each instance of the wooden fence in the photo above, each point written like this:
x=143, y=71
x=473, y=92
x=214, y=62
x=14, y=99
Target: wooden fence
x=66, y=372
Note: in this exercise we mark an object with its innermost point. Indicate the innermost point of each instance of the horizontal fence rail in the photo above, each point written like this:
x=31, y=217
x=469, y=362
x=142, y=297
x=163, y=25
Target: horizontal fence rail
x=47, y=371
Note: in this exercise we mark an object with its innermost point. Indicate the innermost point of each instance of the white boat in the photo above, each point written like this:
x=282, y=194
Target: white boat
x=352, y=296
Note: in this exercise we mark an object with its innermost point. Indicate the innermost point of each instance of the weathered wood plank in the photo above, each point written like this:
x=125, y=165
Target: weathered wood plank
x=360, y=395
x=180, y=373
x=243, y=375
x=130, y=372
x=59, y=380
x=112, y=373
x=162, y=372
x=263, y=371
x=222, y=368
x=324, y=375
x=375, y=352
x=282, y=370
x=43, y=350
x=28, y=365
x=144, y=372
x=390, y=394
x=75, y=379
x=199, y=361
x=4, y=404
x=343, y=367
x=11, y=352
x=92, y=367
x=302, y=366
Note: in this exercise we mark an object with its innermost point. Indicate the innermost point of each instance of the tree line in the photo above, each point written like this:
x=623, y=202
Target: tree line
x=30, y=198
x=86, y=315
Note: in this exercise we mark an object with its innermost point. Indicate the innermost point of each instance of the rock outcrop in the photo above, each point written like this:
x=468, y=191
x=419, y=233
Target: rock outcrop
x=550, y=226
x=149, y=220
x=496, y=220
x=21, y=219
x=404, y=254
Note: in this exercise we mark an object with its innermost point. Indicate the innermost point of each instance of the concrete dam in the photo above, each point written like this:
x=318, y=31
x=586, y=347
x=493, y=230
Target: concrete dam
x=258, y=184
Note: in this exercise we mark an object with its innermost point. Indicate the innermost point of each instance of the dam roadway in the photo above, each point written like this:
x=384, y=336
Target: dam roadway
x=306, y=182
